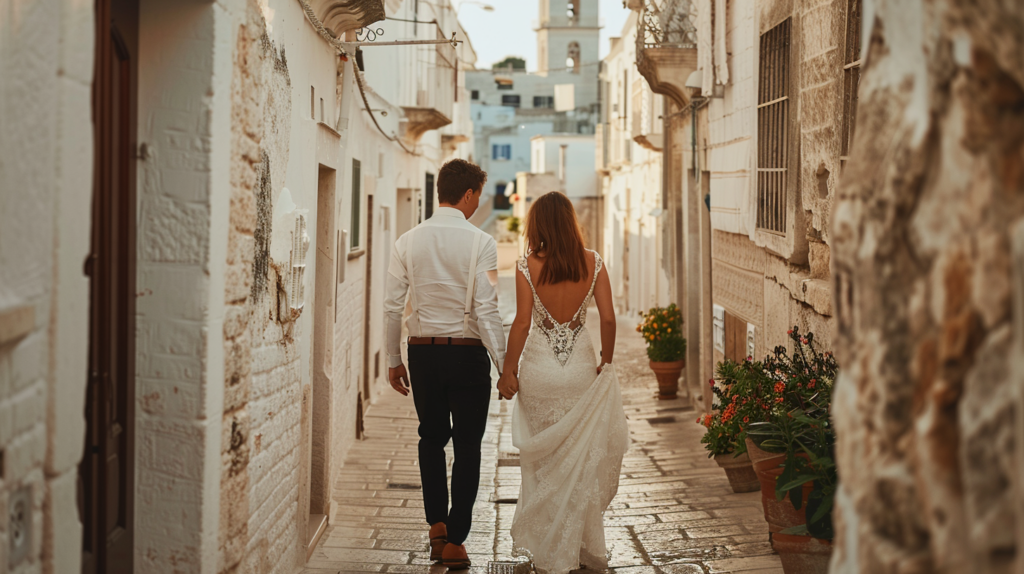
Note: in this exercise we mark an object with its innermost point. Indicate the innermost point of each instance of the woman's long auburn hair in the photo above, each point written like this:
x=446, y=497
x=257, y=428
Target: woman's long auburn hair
x=552, y=232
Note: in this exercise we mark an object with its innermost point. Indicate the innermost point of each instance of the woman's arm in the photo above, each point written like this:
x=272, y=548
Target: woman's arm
x=508, y=385
x=606, y=310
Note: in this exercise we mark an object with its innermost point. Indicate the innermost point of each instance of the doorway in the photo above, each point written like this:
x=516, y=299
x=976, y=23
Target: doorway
x=403, y=211
x=106, y=473
x=323, y=353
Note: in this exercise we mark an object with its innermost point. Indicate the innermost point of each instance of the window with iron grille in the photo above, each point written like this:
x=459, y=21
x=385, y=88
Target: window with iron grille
x=773, y=129
x=851, y=76
x=543, y=101
x=510, y=100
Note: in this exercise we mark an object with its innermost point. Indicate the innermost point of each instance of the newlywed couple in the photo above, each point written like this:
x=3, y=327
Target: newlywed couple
x=568, y=421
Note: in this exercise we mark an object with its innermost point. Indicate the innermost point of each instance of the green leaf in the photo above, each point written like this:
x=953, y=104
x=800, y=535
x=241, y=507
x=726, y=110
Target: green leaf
x=798, y=481
x=800, y=530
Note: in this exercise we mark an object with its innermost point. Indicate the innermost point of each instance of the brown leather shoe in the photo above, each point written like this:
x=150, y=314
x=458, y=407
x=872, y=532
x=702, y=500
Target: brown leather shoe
x=454, y=557
x=438, y=539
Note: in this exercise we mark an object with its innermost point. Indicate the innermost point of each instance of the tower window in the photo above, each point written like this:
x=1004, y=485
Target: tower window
x=572, y=11
x=543, y=101
x=572, y=60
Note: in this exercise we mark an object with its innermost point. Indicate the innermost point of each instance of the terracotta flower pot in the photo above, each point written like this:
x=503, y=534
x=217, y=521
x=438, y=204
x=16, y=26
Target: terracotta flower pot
x=780, y=514
x=740, y=472
x=802, y=554
x=757, y=455
x=668, y=377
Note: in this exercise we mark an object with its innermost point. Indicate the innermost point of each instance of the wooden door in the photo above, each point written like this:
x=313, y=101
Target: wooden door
x=106, y=477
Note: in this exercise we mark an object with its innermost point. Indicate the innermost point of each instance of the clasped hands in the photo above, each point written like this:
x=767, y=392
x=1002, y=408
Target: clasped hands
x=508, y=385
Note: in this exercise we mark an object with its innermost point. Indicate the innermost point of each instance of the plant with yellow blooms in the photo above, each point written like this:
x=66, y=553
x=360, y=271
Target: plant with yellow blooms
x=662, y=330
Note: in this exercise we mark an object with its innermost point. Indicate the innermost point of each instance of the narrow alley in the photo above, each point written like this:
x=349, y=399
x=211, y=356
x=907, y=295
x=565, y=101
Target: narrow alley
x=674, y=514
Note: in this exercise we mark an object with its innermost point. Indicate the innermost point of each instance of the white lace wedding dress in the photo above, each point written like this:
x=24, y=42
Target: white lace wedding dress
x=571, y=432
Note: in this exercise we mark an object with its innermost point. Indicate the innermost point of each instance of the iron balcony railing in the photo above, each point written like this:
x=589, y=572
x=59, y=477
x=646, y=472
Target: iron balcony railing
x=665, y=24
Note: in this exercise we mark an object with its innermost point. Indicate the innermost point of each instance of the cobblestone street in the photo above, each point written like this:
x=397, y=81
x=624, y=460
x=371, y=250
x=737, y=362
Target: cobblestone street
x=674, y=513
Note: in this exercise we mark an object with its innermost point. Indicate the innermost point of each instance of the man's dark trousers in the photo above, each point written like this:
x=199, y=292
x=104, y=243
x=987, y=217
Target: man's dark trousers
x=451, y=388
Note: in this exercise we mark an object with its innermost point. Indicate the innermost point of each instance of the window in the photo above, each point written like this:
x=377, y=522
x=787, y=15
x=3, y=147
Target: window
x=474, y=94
x=500, y=201
x=572, y=58
x=428, y=191
x=501, y=151
x=773, y=129
x=543, y=101
x=357, y=200
x=572, y=11
x=510, y=100
x=851, y=77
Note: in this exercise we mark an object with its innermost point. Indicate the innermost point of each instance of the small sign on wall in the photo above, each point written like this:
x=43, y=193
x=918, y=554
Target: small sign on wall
x=718, y=327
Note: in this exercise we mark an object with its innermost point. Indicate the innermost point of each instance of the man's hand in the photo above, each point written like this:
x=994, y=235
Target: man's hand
x=508, y=385
x=399, y=379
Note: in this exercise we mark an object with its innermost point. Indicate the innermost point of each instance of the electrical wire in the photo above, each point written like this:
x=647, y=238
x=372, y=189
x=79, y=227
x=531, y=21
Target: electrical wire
x=337, y=45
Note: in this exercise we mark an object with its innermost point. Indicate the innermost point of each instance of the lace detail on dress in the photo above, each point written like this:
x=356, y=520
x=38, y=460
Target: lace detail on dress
x=561, y=336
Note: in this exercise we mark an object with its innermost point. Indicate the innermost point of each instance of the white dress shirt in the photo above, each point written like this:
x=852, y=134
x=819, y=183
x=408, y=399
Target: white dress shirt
x=441, y=257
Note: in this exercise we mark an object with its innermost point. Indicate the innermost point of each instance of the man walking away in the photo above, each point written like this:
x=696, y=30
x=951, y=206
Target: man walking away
x=448, y=268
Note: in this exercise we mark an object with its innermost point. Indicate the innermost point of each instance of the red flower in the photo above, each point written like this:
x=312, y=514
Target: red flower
x=789, y=332
x=746, y=419
x=778, y=399
x=779, y=387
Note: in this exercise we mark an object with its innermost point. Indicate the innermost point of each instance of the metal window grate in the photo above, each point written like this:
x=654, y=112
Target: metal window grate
x=851, y=75
x=773, y=129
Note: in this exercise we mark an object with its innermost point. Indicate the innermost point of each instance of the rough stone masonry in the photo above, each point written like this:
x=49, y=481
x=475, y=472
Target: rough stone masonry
x=926, y=408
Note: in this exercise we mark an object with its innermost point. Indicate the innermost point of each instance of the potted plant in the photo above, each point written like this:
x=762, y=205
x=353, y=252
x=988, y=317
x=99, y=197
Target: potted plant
x=799, y=426
x=662, y=329
x=723, y=438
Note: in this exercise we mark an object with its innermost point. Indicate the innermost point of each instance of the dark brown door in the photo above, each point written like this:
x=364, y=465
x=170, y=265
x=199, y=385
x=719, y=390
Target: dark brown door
x=106, y=474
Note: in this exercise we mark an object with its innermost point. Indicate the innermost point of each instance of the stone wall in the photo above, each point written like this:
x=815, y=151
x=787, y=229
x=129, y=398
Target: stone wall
x=45, y=200
x=260, y=437
x=927, y=411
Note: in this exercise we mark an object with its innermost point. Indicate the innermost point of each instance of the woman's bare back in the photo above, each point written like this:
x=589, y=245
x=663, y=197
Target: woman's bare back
x=562, y=300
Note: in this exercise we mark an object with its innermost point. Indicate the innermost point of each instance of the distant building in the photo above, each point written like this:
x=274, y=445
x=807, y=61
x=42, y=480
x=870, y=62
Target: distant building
x=511, y=106
x=629, y=165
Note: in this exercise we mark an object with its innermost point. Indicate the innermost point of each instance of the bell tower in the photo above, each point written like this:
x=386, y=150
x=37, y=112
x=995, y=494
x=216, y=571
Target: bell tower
x=567, y=37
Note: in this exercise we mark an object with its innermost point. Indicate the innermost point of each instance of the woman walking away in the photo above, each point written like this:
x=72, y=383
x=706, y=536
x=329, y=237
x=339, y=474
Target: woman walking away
x=568, y=423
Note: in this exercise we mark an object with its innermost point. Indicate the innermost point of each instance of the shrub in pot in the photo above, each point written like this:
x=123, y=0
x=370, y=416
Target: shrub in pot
x=662, y=330
x=799, y=425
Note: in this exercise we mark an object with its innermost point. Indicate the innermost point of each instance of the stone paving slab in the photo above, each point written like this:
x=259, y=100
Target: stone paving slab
x=674, y=513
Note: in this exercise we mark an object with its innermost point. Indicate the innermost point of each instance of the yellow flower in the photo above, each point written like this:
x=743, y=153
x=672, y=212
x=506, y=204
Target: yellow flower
x=670, y=329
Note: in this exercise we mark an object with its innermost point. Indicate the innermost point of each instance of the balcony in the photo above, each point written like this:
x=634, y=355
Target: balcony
x=435, y=94
x=666, y=47
x=340, y=16
x=645, y=128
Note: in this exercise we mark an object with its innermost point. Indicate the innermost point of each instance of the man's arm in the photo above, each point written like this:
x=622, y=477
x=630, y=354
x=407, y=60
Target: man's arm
x=396, y=289
x=485, y=299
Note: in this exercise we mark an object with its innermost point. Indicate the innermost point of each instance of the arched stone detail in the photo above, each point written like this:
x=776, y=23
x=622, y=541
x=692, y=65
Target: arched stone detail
x=340, y=16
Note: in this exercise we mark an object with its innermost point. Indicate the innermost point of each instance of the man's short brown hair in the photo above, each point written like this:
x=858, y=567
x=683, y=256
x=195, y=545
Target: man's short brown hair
x=456, y=178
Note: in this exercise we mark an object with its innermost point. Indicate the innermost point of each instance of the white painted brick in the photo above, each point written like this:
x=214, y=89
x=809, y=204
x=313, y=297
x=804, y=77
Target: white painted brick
x=171, y=291
x=28, y=407
x=28, y=360
x=67, y=529
x=173, y=231
x=171, y=447
x=24, y=453
x=179, y=399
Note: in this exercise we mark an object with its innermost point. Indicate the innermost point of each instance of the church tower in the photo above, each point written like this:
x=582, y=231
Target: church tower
x=567, y=37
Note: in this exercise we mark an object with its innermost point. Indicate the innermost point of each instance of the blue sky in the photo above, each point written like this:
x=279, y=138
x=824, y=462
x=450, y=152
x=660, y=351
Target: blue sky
x=508, y=30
